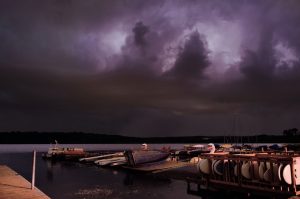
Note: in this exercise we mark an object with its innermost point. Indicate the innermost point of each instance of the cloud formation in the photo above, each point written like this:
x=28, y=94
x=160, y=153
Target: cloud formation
x=192, y=59
x=150, y=68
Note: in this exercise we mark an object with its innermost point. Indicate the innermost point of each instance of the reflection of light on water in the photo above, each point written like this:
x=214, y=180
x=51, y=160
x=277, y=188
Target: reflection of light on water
x=95, y=192
x=115, y=172
x=104, y=192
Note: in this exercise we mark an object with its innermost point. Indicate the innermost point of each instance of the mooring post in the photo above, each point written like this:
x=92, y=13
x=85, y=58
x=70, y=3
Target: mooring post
x=33, y=169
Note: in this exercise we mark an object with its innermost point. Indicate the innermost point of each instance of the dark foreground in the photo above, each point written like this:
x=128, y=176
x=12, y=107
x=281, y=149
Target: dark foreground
x=71, y=180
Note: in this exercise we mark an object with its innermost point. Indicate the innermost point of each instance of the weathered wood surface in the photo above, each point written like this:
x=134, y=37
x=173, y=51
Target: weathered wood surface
x=14, y=186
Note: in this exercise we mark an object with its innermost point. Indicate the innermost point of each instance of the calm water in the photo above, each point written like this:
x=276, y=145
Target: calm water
x=70, y=180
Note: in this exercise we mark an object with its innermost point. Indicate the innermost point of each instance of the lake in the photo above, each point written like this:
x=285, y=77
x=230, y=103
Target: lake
x=72, y=180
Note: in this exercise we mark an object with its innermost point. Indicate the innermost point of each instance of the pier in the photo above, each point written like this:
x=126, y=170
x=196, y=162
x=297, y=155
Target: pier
x=268, y=173
x=14, y=186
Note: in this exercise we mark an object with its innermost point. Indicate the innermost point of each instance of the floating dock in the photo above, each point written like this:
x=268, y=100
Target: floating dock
x=14, y=186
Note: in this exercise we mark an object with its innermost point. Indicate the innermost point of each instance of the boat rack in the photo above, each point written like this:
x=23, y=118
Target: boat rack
x=232, y=172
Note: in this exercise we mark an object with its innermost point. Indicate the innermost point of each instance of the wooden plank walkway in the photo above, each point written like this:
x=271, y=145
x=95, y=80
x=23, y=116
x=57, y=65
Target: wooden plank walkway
x=14, y=186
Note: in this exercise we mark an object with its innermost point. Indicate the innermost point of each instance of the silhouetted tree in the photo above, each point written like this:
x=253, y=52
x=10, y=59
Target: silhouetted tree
x=290, y=132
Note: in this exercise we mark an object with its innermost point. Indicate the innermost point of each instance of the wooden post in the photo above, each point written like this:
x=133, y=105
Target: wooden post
x=33, y=169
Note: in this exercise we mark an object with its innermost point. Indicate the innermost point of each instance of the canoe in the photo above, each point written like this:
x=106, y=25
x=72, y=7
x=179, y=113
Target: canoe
x=287, y=173
x=246, y=170
x=268, y=175
x=203, y=166
x=212, y=165
x=94, y=158
x=280, y=169
x=261, y=170
x=109, y=161
x=255, y=170
x=235, y=170
x=218, y=167
x=275, y=172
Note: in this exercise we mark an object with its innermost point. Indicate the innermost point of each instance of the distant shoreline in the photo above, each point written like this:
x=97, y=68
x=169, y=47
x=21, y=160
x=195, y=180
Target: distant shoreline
x=93, y=138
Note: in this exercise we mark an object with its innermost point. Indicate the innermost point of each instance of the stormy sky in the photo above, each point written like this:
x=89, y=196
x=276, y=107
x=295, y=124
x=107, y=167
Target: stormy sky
x=150, y=68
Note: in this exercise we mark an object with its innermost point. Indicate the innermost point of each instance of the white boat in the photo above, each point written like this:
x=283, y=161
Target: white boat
x=94, y=158
x=64, y=152
x=109, y=161
x=280, y=169
x=287, y=173
x=246, y=170
x=206, y=166
x=203, y=166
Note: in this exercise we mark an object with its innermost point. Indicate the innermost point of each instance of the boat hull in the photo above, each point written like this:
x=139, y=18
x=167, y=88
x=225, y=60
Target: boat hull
x=145, y=156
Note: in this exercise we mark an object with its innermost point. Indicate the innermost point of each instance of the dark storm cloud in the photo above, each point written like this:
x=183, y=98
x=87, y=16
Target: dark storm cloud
x=140, y=31
x=192, y=59
x=106, y=66
x=260, y=64
x=138, y=54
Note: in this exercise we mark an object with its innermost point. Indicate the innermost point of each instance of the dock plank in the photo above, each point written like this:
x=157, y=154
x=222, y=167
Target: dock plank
x=14, y=186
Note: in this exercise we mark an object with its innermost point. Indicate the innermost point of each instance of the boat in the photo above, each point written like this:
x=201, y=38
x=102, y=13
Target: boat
x=190, y=151
x=99, y=157
x=111, y=161
x=261, y=170
x=216, y=165
x=203, y=166
x=195, y=150
x=137, y=157
x=287, y=173
x=275, y=172
x=64, y=153
x=245, y=170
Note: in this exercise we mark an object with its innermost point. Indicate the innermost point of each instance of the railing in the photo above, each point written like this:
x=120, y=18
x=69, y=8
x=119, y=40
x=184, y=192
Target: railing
x=263, y=172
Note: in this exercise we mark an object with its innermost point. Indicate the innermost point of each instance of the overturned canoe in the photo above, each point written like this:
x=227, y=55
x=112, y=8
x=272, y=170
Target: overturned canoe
x=203, y=166
x=287, y=173
x=246, y=170
x=218, y=167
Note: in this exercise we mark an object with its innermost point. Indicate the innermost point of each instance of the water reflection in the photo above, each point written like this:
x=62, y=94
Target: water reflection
x=134, y=179
x=88, y=181
x=71, y=180
x=49, y=171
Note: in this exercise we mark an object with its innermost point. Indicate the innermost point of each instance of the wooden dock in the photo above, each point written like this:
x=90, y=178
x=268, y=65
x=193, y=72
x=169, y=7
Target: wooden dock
x=14, y=186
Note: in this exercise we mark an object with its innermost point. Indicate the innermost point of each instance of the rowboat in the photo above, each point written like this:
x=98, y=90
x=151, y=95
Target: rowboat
x=137, y=157
x=99, y=157
x=111, y=161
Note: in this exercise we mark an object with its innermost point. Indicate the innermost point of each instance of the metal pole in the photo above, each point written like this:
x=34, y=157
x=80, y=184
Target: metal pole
x=33, y=169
